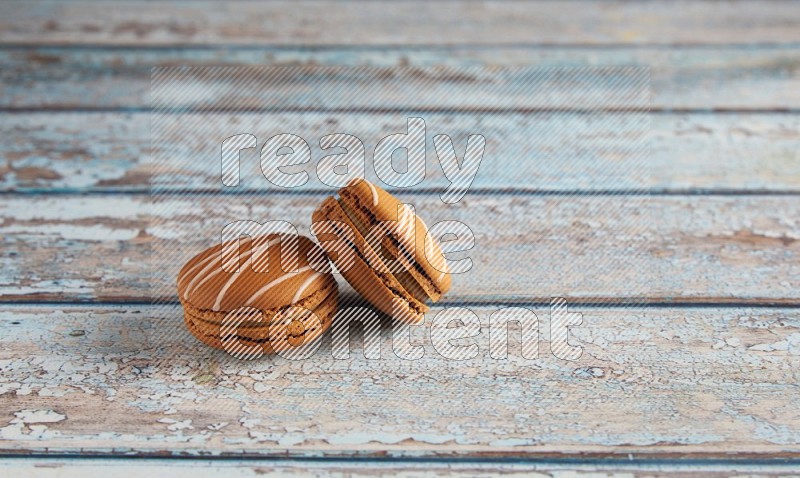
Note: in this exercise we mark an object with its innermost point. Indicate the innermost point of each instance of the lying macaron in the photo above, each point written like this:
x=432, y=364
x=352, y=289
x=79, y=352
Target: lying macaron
x=391, y=264
x=234, y=309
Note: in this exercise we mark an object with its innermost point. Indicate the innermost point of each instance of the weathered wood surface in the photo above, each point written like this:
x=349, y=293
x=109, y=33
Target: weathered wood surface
x=118, y=380
x=202, y=468
x=687, y=152
x=409, y=23
x=741, y=77
x=654, y=383
x=588, y=248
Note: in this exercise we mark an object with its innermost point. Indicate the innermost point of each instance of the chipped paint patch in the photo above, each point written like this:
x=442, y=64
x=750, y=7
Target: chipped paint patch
x=31, y=424
x=791, y=345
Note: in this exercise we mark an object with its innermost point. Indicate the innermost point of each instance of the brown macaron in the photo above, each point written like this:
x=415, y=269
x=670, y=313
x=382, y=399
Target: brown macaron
x=234, y=309
x=391, y=260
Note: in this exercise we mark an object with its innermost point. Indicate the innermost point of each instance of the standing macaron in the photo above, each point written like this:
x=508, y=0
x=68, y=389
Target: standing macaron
x=237, y=308
x=394, y=263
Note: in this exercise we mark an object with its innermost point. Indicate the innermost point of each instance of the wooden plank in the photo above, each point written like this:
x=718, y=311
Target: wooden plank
x=528, y=247
x=687, y=152
x=477, y=88
x=663, y=383
x=741, y=78
x=201, y=468
x=410, y=23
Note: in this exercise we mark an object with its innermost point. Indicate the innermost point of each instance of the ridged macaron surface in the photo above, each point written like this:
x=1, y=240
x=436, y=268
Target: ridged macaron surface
x=221, y=279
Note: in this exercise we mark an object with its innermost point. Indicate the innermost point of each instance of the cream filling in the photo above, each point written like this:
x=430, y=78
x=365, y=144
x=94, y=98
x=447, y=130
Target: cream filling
x=412, y=302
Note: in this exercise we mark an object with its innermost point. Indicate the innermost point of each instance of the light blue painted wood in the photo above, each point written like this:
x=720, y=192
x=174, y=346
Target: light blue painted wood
x=615, y=249
x=716, y=372
x=85, y=152
x=92, y=77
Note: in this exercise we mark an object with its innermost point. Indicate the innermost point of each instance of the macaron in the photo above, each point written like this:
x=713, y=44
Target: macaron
x=241, y=308
x=394, y=263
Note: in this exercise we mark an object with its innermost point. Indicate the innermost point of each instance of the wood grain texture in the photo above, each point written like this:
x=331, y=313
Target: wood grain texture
x=409, y=23
x=202, y=468
x=740, y=77
x=114, y=380
x=687, y=152
x=532, y=247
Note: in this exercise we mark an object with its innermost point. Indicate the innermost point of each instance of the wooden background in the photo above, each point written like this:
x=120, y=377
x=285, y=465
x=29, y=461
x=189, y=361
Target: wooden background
x=702, y=380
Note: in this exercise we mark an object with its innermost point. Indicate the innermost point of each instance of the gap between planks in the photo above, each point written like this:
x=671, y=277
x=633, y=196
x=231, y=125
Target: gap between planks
x=101, y=467
x=712, y=110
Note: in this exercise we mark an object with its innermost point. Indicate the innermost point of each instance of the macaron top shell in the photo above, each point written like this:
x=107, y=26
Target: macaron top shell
x=211, y=280
x=422, y=259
